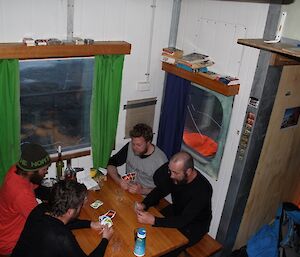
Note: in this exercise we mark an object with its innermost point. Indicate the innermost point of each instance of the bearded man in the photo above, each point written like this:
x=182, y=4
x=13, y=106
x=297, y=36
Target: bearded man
x=17, y=193
x=141, y=157
x=191, y=193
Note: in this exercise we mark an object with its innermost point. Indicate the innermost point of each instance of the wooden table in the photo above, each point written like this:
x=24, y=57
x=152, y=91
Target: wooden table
x=158, y=241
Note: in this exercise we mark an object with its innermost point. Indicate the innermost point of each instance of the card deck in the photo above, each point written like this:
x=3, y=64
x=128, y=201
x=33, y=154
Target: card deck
x=129, y=176
x=96, y=204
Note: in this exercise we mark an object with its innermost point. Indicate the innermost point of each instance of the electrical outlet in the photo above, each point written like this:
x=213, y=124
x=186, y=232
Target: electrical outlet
x=143, y=86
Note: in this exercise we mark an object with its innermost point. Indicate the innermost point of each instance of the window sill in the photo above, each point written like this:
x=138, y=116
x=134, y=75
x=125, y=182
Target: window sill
x=72, y=155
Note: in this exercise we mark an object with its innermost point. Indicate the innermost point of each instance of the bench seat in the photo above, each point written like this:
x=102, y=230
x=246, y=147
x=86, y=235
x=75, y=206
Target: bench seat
x=207, y=246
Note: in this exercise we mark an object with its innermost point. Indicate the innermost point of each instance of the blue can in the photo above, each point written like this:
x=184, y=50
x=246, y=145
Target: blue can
x=140, y=243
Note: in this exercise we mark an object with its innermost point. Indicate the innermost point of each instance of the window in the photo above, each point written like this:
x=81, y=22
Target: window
x=55, y=102
x=206, y=126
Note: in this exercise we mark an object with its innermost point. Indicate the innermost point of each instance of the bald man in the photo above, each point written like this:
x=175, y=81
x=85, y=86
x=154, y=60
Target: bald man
x=191, y=193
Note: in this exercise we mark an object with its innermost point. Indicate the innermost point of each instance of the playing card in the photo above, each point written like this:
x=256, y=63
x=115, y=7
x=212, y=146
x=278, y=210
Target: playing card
x=105, y=220
x=96, y=204
x=135, y=206
x=110, y=213
x=126, y=177
x=129, y=176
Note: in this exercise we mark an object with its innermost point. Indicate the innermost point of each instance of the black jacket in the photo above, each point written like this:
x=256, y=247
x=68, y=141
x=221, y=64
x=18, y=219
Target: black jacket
x=46, y=236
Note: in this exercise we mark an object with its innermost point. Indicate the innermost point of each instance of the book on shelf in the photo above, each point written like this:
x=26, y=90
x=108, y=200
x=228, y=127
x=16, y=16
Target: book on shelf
x=171, y=55
x=197, y=65
x=228, y=80
x=168, y=59
x=188, y=68
x=54, y=41
x=28, y=41
x=41, y=42
x=194, y=58
x=210, y=74
x=172, y=52
x=78, y=41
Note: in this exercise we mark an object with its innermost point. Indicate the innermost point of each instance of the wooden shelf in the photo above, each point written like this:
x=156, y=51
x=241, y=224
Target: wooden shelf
x=279, y=48
x=202, y=80
x=21, y=51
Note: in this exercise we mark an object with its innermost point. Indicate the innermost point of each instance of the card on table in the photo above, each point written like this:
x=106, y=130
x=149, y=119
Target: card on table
x=110, y=213
x=96, y=204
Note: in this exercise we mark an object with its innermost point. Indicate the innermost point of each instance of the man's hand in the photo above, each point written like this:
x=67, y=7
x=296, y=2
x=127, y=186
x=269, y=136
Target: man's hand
x=124, y=184
x=95, y=225
x=145, y=217
x=139, y=207
x=107, y=232
x=135, y=188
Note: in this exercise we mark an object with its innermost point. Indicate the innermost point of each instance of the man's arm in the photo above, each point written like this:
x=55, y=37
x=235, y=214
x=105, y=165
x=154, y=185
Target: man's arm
x=136, y=188
x=77, y=224
x=117, y=160
x=178, y=221
x=196, y=208
x=71, y=247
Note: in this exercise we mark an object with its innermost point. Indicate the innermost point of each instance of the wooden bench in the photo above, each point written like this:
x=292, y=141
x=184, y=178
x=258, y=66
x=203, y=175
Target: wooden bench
x=207, y=246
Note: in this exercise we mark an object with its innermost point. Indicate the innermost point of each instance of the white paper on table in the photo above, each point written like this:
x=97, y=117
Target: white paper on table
x=84, y=178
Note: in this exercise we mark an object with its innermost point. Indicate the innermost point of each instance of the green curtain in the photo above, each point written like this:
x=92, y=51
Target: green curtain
x=105, y=106
x=9, y=115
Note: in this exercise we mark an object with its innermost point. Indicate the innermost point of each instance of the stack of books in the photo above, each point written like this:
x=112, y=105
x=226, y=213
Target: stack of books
x=171, y=55
x=195, y=62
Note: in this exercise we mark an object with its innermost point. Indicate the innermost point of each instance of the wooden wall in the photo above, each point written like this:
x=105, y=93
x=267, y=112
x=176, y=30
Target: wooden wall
x=277, y=176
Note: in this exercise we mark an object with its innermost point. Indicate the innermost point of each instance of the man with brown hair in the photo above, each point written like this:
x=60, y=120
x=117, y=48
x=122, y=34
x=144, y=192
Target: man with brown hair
x=47, y=232
x=17, y=196
x=141, y=157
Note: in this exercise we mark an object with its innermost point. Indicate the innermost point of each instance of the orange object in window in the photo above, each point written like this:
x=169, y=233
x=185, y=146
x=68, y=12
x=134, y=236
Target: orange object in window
x=200, y=143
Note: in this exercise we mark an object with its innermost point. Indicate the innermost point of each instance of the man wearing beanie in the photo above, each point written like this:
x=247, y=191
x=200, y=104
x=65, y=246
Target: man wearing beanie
x=17, y=196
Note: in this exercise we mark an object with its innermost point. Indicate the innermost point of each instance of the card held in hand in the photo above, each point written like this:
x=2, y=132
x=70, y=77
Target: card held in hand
x=129, y=176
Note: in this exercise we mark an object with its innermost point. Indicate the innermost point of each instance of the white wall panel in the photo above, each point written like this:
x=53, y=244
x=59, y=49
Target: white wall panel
x=213, y=27
x=100, y=20
x=291, y=27
x=34, y=18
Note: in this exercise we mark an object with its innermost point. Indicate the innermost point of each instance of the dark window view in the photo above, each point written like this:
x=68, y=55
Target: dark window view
x=206, y=125
x=55, y=102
